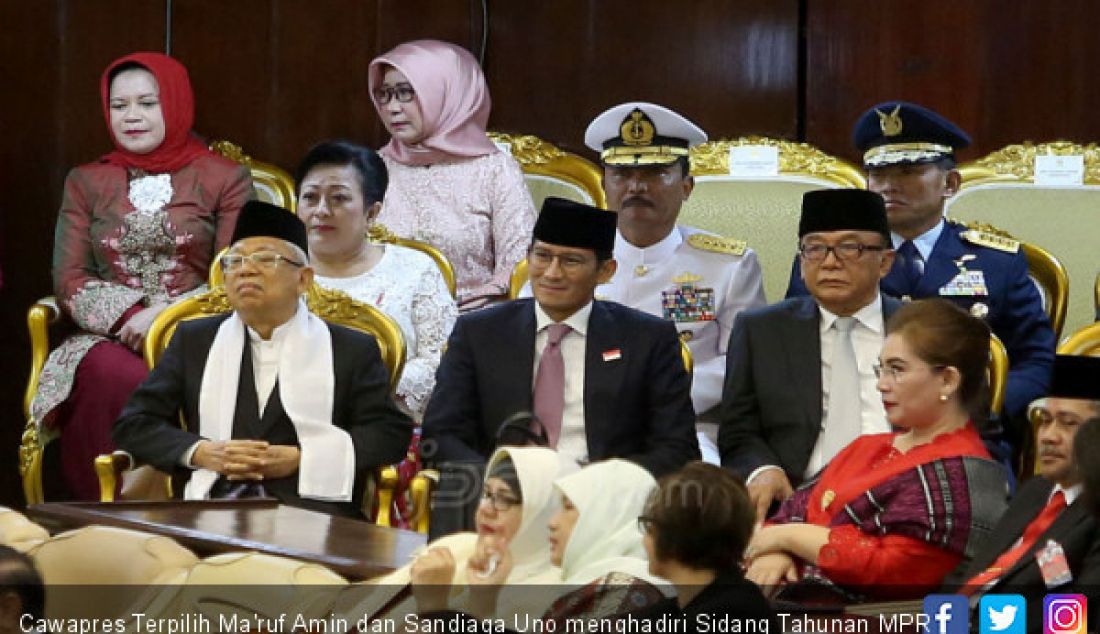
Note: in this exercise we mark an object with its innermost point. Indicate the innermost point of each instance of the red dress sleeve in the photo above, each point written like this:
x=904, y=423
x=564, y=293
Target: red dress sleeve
x=96, y=304
x=238, y=190
x=853, y=557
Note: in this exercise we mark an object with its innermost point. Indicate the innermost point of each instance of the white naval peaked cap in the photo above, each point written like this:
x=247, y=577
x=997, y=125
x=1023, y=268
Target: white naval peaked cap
x=642, y=133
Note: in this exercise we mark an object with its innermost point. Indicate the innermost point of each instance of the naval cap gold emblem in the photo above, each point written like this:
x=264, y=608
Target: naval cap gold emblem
x=890, y=123
x=637, y=129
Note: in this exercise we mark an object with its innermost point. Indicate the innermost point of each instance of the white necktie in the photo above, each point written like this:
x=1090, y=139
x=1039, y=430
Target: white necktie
x=843, y=422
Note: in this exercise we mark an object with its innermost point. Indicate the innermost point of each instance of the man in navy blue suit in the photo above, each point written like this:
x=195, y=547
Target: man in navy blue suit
x=604, y=380
x=909, y=159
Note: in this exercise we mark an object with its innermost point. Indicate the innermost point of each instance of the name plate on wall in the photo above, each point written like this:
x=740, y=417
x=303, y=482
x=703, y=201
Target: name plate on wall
x=754, y=160
x=1059, y=171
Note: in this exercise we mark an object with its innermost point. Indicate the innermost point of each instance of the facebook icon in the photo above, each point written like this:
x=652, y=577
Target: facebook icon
x=947, y=614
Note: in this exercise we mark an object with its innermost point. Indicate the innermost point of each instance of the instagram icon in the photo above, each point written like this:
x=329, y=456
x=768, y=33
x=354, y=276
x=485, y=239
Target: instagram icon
x=1065, y=614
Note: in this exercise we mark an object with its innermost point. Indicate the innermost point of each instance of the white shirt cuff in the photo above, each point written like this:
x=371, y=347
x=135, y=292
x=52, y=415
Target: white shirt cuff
x=185, y=459
x=757, y=471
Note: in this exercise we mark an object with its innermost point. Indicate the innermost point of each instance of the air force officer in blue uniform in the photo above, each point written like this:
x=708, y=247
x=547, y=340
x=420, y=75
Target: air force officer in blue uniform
x=909, y=159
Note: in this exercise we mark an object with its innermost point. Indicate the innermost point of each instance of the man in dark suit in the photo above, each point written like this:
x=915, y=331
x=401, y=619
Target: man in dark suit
x=605, y=380
x=909, y=158
x=276, y=401
x=1048, y=541
x=800, y=381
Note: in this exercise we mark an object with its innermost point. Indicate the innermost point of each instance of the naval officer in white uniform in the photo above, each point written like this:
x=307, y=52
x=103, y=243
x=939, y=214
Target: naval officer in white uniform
x=697, y=279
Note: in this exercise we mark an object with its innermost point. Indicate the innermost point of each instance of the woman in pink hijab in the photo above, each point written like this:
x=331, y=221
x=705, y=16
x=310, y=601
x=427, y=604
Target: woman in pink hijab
x=450, y=185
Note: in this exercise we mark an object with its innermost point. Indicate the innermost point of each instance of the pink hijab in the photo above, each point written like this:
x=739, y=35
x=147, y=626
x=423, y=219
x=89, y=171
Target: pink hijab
x=453, y=97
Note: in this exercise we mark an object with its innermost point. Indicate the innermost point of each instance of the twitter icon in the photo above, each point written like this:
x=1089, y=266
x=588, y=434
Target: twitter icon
x=1003, y=614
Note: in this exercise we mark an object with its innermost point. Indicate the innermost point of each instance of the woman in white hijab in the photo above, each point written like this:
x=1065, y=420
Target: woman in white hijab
x=595, y=540
x=517, y=501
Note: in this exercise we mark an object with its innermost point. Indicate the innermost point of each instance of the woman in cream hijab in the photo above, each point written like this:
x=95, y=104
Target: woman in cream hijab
x=594, y=538
x=517, y=501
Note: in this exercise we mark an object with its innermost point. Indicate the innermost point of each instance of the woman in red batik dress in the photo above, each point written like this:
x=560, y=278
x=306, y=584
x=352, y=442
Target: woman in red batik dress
x=137, y=231
x=893, y=513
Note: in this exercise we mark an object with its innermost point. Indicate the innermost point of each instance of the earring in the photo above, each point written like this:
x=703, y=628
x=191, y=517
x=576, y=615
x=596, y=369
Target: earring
x=943, y=397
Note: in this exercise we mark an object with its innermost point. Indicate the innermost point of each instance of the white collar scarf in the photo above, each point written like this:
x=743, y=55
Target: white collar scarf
x=306, y=386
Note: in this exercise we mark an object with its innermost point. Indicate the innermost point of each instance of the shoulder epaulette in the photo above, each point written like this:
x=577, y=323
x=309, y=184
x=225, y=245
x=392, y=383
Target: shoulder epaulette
x=717, y=244
x=990, y=240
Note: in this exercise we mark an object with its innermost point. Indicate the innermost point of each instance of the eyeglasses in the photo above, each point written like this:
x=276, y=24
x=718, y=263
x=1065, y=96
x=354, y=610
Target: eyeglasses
x=569, y=262
x=646, y=524
x=403, y=92
x=898, y=374
x=845, y=251
x=500, y=501
x=264, y=260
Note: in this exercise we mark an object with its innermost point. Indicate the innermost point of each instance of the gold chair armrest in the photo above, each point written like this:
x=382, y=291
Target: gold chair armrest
x=39, y=317
x=139, y=482
x=1096, y=296
x=520, y=275
x=387, y=480
x=109, y=469
x=420, y=492
x=30, y=463
x=998, y=374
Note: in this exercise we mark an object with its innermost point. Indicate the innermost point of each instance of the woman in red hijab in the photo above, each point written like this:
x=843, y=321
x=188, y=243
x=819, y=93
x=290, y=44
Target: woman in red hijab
x=137, y=231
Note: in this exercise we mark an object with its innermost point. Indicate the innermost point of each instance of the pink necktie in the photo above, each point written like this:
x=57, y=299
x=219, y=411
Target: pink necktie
x=550, y=383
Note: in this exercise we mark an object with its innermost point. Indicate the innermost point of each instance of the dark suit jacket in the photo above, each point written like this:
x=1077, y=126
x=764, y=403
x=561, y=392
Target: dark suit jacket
x=729, y=596
x=148, y=427
x=1016, y=312
x=636, y=407
x=1075, y=529
x=771, y=409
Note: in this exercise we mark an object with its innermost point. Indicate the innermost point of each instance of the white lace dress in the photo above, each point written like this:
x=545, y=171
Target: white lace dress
x=478, y=212
x=408, y=286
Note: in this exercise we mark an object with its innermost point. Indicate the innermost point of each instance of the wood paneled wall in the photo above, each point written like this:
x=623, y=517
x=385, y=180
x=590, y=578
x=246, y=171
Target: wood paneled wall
x=1004, y=71
x=278, y=75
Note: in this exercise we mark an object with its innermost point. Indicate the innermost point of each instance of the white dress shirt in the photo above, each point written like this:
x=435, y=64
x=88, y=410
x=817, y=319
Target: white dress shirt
x=868, y=332
x=265, y=371
x=572, y=441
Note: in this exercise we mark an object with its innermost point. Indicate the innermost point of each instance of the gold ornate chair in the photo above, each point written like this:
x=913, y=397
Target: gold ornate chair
x=998, y=374
x=332, y=306
x=380, y=233
x=1085, y=342
x=40, y=316
x=1000, y=189
x=520, y=276
x=272, y=183
x=763, y=210
x=551, y=171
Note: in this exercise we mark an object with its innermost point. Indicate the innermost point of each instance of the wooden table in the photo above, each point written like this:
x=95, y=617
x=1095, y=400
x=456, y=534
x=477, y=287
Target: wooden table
x=356, y=549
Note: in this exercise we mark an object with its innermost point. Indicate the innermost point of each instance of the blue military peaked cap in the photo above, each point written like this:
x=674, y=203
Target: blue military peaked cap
x=898, y=132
